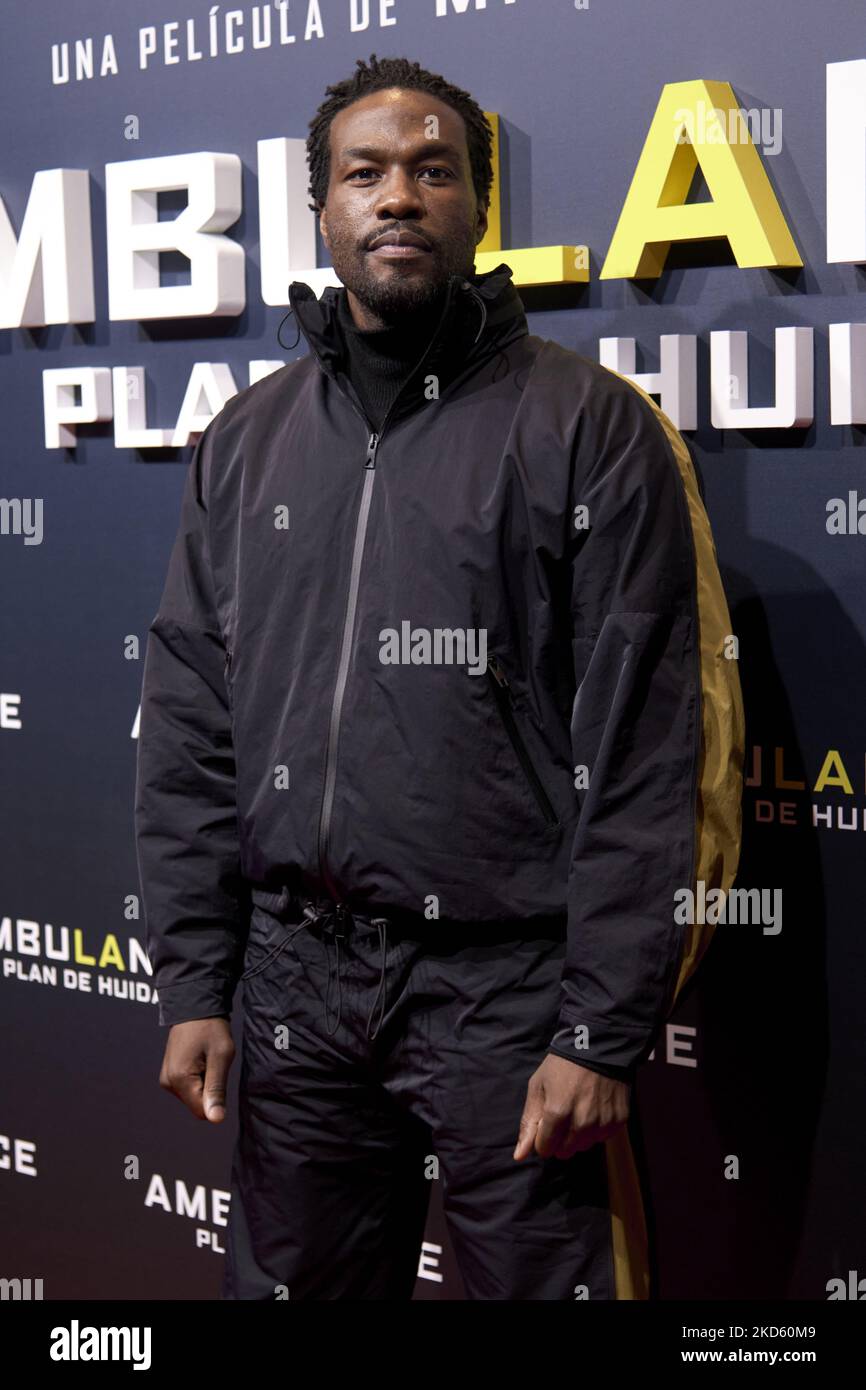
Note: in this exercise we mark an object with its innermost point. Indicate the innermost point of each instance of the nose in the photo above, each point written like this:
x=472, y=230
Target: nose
x=399, y=196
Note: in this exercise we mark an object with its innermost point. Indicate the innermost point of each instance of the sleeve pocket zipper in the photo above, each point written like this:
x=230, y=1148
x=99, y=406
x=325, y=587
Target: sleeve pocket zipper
x=505, y=703
x=227, y=678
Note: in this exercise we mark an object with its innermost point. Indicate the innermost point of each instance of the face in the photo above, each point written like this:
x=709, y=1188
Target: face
x=395, y=170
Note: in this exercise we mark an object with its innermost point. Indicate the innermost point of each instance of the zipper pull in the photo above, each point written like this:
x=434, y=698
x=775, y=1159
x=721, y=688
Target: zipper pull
x=497, y=673
x=372, y=446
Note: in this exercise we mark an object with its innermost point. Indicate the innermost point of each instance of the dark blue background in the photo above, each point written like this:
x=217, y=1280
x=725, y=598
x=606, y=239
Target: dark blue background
x=780, y=1042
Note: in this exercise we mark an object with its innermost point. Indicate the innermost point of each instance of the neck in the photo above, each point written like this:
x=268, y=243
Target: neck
x=378, y=360
x=366, y=320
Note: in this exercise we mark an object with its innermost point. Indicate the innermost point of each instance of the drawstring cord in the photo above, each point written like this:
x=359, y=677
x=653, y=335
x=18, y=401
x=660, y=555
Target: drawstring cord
x=343, y=916
x=319, y=918
x=269, y=957
x=479, y=299
x=381, y=924
x=289, y=347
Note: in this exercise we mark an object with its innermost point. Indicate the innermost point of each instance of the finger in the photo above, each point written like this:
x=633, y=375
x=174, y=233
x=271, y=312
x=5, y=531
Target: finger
x=529, y=1121
x=552, y=1131
x=214, y=1089
x=588, y=1136
x=583, y=1133
x=570, y=1142
x=595, y=1134
x=187, y=1086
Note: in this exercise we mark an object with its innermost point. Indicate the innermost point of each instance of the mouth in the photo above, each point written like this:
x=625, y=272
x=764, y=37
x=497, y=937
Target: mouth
x=399, y=246
x=396, y=251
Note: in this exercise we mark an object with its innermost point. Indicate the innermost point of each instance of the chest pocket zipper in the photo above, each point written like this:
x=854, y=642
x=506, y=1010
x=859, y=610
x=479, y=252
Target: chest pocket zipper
x=227, y=677
x=505, y=704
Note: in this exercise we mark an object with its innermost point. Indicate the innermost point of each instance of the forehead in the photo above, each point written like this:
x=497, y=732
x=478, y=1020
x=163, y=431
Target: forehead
x=395, y=120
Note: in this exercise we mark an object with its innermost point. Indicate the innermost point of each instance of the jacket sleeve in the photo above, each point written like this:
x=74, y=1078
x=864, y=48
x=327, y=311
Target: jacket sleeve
x=195, y=910
x=657, y=724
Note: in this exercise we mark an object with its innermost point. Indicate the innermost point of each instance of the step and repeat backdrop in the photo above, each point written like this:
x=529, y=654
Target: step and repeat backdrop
x=681, y=194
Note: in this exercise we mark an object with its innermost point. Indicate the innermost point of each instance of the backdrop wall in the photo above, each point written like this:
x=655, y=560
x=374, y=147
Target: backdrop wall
x=109, y=1188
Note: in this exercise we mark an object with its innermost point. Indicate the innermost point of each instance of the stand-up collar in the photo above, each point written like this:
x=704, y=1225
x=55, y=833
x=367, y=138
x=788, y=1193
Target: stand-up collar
x=480, y=314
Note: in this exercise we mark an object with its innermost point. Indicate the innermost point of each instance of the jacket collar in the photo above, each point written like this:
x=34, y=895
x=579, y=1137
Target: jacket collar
x=481, y=313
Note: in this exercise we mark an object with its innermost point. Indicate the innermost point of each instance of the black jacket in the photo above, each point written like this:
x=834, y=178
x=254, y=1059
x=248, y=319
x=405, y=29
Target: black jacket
x=516, y=491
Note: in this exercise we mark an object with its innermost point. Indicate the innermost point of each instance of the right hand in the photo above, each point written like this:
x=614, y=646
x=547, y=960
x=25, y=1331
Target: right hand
x=196, y=1065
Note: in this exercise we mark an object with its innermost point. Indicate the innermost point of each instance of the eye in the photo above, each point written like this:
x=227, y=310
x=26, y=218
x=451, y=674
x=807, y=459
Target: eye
x=428, y=169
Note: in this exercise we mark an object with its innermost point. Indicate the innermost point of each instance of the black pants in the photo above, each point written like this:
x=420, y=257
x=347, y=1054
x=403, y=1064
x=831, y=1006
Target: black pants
x=377, y=1060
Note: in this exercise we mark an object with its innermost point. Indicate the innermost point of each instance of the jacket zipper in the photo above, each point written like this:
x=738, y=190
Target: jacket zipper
x=373, y=441
x=505, y=702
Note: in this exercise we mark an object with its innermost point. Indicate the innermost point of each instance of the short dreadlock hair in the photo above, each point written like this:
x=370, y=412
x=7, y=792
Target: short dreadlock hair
x=379, y=74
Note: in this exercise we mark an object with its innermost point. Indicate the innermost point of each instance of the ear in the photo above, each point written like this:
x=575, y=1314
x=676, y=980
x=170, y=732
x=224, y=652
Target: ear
x=323, y=226
x=482, y=222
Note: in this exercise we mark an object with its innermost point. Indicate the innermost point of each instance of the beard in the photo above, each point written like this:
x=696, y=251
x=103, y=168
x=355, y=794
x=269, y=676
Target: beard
x=394, y=293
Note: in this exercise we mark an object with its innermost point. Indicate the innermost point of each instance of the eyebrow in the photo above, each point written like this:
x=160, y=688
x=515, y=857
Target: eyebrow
x=431, y=148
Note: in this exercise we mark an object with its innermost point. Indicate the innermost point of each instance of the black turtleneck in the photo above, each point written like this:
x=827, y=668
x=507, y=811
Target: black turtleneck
x=378, y=360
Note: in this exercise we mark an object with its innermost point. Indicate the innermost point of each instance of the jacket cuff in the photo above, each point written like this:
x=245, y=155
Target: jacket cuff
x=207, y=997
x=625, y=1074
x=612, y=1053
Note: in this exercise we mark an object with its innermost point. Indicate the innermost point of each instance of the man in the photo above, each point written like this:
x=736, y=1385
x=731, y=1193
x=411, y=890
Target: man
x=436, y=720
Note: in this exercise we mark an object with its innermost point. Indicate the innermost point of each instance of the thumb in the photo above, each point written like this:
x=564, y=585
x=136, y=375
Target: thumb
x=214, y=1089
x=529, y=1122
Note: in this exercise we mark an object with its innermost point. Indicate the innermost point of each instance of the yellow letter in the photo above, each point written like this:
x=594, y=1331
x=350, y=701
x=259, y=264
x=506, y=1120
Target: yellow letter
x=840, y=779
x=743, y=206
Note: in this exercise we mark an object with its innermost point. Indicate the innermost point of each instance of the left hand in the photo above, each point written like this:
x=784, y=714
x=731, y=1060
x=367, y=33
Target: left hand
x=569, y=1108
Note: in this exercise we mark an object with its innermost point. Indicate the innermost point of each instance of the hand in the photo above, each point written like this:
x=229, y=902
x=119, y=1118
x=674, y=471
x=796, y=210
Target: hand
x=569, y=1108
x=196, y=1065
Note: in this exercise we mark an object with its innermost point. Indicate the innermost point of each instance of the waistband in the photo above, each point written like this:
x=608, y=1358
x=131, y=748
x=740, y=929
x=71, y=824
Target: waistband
x=329, y=919
x=290, y=908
